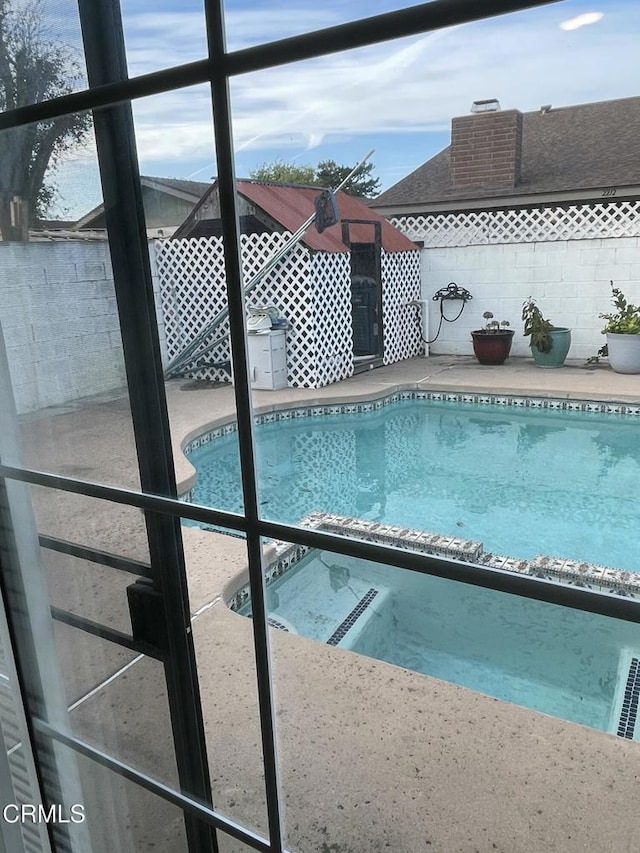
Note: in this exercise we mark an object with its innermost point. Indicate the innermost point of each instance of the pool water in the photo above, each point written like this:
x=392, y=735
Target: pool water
x=561, y=662
x=521, y=481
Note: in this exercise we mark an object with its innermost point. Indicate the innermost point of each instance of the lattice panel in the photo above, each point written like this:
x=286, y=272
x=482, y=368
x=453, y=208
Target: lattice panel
x=576, y=222
x=332, y=357
x=290, y=288
x=193, y=291
x=400, y=285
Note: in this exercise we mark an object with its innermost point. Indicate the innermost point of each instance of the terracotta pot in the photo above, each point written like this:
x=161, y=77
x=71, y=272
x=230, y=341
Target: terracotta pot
x=492, y=347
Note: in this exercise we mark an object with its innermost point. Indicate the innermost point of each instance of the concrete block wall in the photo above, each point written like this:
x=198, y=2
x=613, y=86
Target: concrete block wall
x=569, y=279
x=60, y=322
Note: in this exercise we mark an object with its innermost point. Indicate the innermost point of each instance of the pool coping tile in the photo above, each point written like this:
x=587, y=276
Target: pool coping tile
x=551, y=569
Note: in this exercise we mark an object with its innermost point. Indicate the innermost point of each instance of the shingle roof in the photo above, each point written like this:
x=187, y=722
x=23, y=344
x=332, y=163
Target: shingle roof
x=193, y=188
x=191, y=191
x=589, y=146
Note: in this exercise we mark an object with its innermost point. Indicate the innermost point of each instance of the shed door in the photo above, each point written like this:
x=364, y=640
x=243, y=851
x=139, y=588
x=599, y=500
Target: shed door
x=366, y=290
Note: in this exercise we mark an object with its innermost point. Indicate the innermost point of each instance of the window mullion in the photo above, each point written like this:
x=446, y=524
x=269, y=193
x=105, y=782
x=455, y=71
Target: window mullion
x=115, y=141
x=235, y=296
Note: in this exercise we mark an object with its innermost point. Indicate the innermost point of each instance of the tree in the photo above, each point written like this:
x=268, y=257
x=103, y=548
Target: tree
x=32, y=69
x=330, y=174
x=281, y=172
x=326, y=174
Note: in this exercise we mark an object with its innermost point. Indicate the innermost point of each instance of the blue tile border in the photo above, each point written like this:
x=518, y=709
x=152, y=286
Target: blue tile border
x=342, y=629
x=552, y=569
x=629, y=712
x=506, y=400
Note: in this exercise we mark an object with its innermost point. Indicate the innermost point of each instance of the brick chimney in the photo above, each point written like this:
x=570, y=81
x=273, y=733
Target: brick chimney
x=486, y=146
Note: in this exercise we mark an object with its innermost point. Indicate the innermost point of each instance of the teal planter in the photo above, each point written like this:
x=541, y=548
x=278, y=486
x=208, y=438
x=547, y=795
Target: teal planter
x=560, y=343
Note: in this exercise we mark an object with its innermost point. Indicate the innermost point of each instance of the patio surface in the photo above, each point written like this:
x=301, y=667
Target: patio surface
x=373, y=757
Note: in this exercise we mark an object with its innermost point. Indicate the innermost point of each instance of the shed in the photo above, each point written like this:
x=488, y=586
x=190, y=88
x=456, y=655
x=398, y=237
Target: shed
x=347, y=291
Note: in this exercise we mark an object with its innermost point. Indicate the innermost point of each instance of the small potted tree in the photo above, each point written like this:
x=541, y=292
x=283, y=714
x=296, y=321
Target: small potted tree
x=623, y=334
x=492, y=344
x=549, y=344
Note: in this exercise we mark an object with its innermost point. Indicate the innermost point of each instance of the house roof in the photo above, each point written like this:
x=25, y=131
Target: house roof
x=289, y=205
x=589, y=147
x=189, y=191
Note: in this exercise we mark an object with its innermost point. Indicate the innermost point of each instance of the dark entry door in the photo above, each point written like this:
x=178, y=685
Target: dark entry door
x=366, y=290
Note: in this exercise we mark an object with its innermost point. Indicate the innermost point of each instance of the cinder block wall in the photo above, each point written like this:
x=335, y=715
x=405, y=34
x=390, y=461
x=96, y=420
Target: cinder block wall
x=569, y=279
x=60, y=322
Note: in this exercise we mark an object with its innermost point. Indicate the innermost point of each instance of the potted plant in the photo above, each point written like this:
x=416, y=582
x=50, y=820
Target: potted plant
x=623, y=334
x=492, y=344
x=549, y=344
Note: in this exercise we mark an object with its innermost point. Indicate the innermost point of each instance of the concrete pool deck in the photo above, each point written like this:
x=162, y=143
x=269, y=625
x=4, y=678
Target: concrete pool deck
x=373, y=757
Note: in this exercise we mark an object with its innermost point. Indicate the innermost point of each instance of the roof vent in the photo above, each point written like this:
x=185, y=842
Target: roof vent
x=492, y=105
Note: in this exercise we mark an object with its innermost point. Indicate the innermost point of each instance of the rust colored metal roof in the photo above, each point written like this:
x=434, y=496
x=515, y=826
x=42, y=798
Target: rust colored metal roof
x=291, y=205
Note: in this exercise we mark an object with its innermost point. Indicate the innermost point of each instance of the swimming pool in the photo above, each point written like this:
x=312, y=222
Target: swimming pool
x=574, y=665
x=524, y=477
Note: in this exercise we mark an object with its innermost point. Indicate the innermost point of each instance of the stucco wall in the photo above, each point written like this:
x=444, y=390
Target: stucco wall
x=60, y=323
x=569, y=279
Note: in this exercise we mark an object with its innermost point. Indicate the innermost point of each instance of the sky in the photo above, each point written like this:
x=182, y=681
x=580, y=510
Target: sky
x=397, y=97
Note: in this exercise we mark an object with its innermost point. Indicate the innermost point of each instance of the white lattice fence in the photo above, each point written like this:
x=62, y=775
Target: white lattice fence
x=289, y=287
x=400, y=285
x=332, y=357
x=576, y=222
x=193, y=291
x=311, y=291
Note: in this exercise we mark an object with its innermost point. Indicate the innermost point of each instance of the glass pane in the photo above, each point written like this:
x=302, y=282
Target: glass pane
x=123, y=709
x=175, y=144
x=382, y=642
x=91, y=523
x=104, y=692
x=60, y=321
x=42, y=53
x=122, y=816
x=217, y=576
x=281, y=20
x=354, y=302
x=163, y=37
x=88, y=589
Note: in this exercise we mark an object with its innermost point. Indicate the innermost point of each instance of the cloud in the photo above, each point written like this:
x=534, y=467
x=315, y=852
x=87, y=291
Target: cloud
x=412, y=86
x=417, y=85
x=402, y=94
x=582, y=21
x=155, y=40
